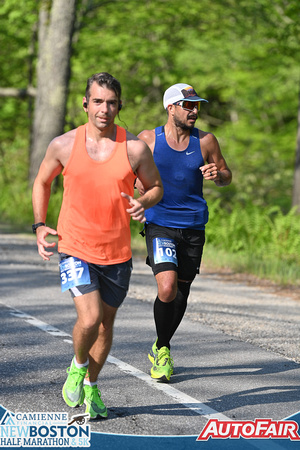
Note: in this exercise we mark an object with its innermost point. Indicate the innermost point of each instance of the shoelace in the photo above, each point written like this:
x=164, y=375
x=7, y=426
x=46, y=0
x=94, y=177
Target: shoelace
x=78, y=374
x=163, y=356
x=95, y=394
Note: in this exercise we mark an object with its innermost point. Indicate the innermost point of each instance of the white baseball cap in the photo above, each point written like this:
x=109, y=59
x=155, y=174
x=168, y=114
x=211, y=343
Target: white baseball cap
x=181, y=91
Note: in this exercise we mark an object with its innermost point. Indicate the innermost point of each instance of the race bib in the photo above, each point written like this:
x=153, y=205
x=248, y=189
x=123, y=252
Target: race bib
x=73, y=272
x=164, y=250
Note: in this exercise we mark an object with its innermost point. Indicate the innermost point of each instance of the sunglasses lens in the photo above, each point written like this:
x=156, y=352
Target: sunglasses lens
x=190, y=105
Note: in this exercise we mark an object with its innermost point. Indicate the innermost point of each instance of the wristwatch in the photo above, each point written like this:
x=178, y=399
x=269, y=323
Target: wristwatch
x=36, y=225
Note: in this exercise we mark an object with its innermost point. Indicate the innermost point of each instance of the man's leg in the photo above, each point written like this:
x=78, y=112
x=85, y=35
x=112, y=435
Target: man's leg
x=114, y=286
x=164, y=310
x=102, y=345
x=164, y=306
x=161, y=247
x=85, y=332
x=97, y=357
x=189, y=254
x=180, y=304
x=89, y=309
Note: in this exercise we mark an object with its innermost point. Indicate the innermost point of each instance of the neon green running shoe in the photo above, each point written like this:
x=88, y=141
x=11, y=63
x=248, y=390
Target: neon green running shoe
x=94, y=405
x=153, y=354
x=162, y=368
x=72, y=391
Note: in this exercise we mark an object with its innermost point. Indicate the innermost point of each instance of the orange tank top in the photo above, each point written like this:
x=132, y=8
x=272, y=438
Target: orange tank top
x=93, y=223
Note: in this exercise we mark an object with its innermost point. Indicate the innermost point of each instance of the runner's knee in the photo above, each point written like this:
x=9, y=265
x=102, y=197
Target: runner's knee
x=167, y=290
x=90, y=322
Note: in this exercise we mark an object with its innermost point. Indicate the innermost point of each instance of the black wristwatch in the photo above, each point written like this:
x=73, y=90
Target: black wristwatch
x=36, y=225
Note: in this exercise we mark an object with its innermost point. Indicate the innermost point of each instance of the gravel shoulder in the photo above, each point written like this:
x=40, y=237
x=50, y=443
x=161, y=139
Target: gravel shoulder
x=252, y=310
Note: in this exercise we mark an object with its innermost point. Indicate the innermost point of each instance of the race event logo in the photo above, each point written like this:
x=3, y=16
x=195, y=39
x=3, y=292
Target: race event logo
x=247, y=429
x=40, y=429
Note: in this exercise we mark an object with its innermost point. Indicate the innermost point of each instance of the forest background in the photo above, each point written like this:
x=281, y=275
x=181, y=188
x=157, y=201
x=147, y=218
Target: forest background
x=241, y=55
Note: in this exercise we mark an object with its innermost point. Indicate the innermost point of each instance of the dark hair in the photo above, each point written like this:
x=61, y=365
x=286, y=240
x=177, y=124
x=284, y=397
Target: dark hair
x=103, y=79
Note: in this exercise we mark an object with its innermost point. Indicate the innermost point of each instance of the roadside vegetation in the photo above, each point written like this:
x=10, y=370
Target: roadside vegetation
x=260, y=241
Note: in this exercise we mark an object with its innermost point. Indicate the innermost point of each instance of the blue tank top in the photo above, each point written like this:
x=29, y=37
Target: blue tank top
x=182, y=205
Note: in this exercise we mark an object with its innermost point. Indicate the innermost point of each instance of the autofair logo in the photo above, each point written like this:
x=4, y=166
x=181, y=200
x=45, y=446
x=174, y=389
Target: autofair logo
x=259, y=429
x=41, y=429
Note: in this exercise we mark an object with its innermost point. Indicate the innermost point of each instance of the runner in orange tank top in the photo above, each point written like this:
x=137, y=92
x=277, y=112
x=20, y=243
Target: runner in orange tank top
x=99, y=162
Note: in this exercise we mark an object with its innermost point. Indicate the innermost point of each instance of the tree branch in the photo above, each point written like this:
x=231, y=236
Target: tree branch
x=30, y=91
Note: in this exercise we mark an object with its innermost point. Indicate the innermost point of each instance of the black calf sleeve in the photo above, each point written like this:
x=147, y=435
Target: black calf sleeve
x=164, y=318
x=180, y=303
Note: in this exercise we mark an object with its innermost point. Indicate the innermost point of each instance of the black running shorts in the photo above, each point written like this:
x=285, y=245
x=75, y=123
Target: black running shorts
x=177, y=249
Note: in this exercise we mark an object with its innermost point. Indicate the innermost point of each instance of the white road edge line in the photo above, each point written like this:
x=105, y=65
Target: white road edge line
x=178, y=396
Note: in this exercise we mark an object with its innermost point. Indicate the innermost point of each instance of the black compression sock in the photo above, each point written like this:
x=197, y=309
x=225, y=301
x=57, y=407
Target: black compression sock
x=180, y=304
x=164, y=317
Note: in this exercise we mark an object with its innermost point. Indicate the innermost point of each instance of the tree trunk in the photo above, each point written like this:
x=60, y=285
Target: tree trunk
x=53, y=73
x=296, y=188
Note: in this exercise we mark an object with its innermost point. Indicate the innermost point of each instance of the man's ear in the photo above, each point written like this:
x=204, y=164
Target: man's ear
x=170, y=109
x=84, y=104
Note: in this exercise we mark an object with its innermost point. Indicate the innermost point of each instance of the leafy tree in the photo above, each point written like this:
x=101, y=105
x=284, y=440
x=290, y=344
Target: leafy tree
x=53, y=70
x=296, y=187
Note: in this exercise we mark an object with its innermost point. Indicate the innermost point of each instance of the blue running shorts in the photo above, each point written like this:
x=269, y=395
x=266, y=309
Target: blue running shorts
x=112, y=281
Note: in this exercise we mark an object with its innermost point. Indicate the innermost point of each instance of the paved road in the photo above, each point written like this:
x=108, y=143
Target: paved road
x=236, y=353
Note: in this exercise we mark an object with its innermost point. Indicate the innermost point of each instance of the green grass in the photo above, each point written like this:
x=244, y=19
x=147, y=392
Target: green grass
x=261, y=241
x=249, y=239
x=274, y=270
x=268, y=268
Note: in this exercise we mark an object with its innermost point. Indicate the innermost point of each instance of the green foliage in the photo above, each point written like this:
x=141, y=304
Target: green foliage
x=242, y=56
x=266, y=241
x=15, y=203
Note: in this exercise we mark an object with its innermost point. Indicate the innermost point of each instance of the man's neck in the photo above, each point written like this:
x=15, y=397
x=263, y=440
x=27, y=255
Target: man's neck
x=177, y=137
x=100, y=144
x=97, y=135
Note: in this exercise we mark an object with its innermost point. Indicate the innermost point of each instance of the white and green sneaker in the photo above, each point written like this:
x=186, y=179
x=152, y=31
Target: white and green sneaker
x=94, y=405
x=162, y=368
x=72, y=391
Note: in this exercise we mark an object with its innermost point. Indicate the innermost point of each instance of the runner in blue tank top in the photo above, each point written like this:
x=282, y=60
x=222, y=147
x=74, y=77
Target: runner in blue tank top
x=175, y=227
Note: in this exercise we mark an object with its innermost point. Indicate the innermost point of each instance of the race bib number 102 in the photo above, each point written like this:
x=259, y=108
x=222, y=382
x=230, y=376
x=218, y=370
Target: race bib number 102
x=73, y=272
x=164, y=250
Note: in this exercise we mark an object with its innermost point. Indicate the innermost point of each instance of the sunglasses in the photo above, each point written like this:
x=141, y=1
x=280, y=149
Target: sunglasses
x=188, y=106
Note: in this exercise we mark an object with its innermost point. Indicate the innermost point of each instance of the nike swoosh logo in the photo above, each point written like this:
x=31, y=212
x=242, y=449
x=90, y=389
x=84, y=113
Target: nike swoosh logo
x=189, y=153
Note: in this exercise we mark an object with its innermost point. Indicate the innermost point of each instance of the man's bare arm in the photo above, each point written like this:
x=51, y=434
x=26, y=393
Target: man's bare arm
x=148, y=136
x=49, y=169
x=216, y=168
x=142, y=162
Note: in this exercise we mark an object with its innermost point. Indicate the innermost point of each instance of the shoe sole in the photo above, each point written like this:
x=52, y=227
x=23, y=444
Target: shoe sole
x=72, y=404
x=162, y=379
x=97, y=416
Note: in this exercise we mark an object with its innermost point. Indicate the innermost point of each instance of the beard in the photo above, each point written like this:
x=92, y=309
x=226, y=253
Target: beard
x=184, y=126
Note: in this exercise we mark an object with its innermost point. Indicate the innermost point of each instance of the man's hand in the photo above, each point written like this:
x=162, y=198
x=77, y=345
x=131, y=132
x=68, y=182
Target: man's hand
x=139, y=186
x=41, y=234
x=137, y=210
x=209, y=171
